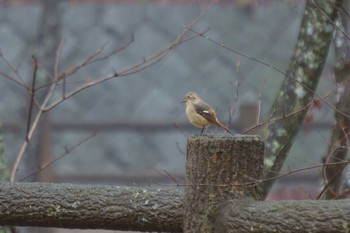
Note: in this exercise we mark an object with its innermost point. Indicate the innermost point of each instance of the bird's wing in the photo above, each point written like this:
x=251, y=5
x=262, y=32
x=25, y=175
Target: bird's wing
x=205, y=111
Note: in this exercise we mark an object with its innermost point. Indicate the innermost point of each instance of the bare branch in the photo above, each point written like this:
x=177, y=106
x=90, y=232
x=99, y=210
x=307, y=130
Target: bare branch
x=115, y=51
x=79, y=89
x=273, y=118
x=341, y=30
x=67, y=151
x=270, y=66
x=256, y=182
x=74, y=69
x=31, y=132
x=93, y=58
x=57, y=59
x=14, y=70
x=279, y=117
x=8, y=77
x=329, y=183
x=144, y=64
x=259, y=101
x=45, y=106
x=32, y=95
x=236, y=96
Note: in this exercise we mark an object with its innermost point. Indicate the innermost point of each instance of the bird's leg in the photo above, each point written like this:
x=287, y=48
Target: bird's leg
x=202, y=130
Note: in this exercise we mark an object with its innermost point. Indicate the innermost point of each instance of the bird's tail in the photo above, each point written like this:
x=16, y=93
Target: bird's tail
x=221, y=125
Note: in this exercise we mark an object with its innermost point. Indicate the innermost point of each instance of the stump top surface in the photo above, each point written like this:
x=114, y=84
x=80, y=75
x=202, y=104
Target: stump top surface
x=236, y=137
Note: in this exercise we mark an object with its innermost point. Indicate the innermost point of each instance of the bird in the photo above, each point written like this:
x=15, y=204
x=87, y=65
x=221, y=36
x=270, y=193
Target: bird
x=199, y=113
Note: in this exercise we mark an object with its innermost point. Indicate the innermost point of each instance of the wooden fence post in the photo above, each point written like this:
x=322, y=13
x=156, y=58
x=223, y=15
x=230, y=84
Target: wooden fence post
x=215, y=167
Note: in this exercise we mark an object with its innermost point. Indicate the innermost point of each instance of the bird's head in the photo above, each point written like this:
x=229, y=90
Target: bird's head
x=191, y=97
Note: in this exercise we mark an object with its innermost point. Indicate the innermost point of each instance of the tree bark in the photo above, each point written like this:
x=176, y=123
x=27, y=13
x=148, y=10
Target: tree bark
x=215, y=167
x=157, y=209
x=298, y=89
x=91, y=207
x=283, y=216
x=338, y=148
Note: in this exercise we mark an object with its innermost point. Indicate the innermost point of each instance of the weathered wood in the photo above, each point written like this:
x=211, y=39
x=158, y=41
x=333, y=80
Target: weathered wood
x=215, y=165
x=283, y=216
x=91, y=207
x=158, y=209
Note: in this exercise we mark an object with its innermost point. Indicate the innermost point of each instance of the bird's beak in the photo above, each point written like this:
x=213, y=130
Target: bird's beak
x=184, y=101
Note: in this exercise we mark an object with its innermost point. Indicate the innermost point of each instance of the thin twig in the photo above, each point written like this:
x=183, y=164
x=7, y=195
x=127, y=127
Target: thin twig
x=31, y=132
x=172, y=177
x=334, y=24
x=258, y=182
x=32, y=96
x=329, y=183
x=146, y=63
x=278, y=118
x=115, y=51
x=8, y=77
x=259, y=101
x=77, y=90
x=15, y=71
x=344, y=11
x=270, y=66
x=44, y=106
x=57, y=59
x=234, y=104
x=93, y=58
x=67, y=151
x=56, y=66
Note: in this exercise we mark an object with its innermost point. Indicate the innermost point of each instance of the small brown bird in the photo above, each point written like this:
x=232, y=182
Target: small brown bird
x=200, y=114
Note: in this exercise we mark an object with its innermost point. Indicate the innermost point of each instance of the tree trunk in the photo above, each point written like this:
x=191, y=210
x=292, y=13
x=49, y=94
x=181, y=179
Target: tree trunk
x=339, y=145
x=299, y=86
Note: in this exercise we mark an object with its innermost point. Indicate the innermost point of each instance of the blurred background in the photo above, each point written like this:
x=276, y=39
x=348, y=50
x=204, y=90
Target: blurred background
x=132, y=130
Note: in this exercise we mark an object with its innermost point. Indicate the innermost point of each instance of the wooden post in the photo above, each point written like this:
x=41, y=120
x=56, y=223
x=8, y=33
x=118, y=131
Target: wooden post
x=215, y=168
